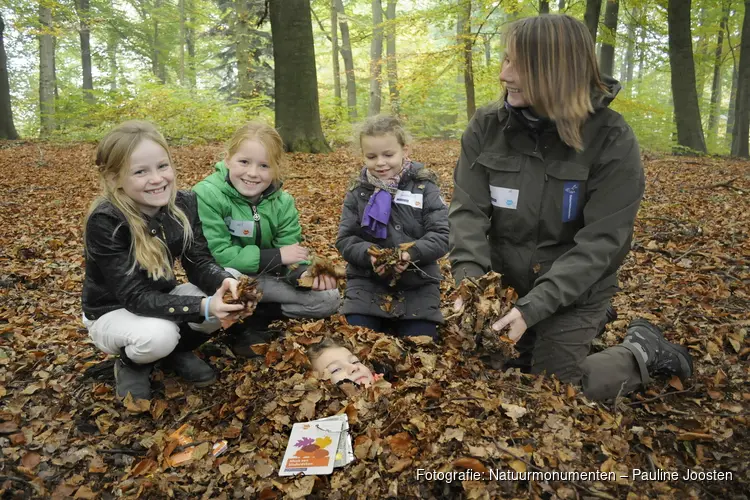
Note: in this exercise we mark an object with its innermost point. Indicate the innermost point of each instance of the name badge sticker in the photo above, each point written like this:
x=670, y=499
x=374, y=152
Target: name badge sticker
x=240, y=228
x=415, y=200
x=503, y=197
x=571, y=191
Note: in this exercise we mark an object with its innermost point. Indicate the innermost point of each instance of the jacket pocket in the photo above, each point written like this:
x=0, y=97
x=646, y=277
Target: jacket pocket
x=566, y=191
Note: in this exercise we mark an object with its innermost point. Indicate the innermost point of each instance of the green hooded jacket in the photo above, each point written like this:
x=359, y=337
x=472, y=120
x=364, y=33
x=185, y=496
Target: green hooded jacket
x=241, y=235
x=557, y=223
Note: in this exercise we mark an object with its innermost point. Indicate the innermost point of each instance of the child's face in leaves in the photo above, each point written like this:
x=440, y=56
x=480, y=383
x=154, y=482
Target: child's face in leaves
x=340, y=364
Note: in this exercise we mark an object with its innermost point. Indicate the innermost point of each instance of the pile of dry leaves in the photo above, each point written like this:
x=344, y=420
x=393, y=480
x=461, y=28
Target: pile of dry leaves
x=63, y=433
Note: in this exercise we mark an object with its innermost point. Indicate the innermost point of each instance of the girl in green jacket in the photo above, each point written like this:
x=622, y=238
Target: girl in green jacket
x=252, y=227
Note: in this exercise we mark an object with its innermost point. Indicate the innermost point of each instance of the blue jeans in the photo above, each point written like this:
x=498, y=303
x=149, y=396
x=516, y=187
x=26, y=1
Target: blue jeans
x=401, y=328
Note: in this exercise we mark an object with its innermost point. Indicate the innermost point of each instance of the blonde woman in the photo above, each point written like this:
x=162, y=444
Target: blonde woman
x=546, y=191
x=132, y=304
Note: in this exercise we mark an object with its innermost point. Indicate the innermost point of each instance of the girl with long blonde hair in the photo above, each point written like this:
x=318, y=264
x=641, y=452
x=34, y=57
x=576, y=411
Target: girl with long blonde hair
x=134, y=231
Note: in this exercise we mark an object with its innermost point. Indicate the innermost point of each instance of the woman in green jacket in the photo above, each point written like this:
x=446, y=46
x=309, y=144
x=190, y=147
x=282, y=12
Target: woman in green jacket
x=546, y=192
x=252, y=227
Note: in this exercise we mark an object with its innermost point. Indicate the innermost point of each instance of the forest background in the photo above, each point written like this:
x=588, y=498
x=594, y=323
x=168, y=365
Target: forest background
x=71, y=69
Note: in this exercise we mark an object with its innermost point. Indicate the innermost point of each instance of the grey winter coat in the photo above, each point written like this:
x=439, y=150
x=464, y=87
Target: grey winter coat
x=416, y=295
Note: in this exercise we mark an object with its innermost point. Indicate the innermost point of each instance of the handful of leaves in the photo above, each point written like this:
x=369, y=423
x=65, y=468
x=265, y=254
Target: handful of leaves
x=389, y=258
x=248, y=294
x=320, y=265
x=483, y=302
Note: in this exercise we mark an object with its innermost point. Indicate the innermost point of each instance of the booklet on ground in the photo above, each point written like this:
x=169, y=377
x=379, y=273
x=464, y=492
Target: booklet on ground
x=316, y=447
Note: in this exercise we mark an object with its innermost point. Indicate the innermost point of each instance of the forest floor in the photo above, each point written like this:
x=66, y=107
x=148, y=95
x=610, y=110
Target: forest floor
x=63, y=433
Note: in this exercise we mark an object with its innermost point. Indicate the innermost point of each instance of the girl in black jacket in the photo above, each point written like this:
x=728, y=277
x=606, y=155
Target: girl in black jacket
x=132, y=304
x=393, y=201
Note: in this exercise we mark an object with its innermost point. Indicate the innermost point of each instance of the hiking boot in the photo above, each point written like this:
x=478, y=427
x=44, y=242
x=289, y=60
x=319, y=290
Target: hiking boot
x=659, y=356
x=133, y=378
x=240, y=341
x=190, y=367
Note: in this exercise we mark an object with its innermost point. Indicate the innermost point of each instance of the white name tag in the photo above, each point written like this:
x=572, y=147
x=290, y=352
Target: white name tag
x=240, y=228
x=408, y=198
x=504, y=197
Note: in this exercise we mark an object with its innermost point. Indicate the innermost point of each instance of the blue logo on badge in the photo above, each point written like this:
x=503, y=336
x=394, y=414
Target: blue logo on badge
x=570, y=201
x=509, y=202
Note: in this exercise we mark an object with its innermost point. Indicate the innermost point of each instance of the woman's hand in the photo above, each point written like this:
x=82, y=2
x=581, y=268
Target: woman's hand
x=322, y=281
x=379, y=270
x=403, y=263
x=514, y=319
x=217, y=307
x=291, y=254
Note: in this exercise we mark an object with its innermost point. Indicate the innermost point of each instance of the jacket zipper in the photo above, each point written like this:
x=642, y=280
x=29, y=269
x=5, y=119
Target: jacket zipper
x=256, y=218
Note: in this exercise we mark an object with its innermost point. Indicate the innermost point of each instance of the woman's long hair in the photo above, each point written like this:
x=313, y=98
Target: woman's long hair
x=113, y=163
x=556, y=63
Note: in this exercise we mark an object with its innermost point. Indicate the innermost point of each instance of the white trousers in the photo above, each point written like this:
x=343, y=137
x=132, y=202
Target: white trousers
x=145, y=339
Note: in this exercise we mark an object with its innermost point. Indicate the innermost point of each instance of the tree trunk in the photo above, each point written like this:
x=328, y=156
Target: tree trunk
x=158, y=63
x=190, y=42
x=181, y=68
x=561, y=5
x=335, y=47
x=466, y=43
x=487, y=49
x=391, y=61
x=295, y=80
x=702, y=55
x=626, y=73
x=112, y=41
x=47, y=82
x=7, y=128
x=376, y=56
x=741, y=132
x=715, y=107
x=641, y=54
x=83, y=10
x=607, y=60
x=346, y=54
x=242, y=48
x=732, y=101
x=682, y=65
x=591, y=17
x=543, y=6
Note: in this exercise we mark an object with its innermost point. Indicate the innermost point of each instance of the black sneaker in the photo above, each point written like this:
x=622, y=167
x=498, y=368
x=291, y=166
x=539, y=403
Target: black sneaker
x=134, y=379
x=659, y=356
x=190, y=367
x=240, y=341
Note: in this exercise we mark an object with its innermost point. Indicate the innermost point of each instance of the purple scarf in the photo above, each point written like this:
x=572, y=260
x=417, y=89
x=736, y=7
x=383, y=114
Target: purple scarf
x=378, y=210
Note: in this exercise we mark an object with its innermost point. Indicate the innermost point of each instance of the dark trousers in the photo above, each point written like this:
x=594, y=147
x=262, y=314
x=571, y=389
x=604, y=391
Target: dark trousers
x=401, y=328
x=560, y=345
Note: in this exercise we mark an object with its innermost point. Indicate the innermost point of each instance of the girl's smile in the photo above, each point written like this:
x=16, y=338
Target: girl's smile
x=149, y=181
x=249, y=170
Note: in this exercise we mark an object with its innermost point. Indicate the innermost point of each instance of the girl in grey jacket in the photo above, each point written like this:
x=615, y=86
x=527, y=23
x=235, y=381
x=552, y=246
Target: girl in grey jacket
x=391, y=202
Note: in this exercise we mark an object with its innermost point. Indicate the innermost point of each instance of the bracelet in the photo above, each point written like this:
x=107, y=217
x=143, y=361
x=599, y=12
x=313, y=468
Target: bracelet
x=205, y=310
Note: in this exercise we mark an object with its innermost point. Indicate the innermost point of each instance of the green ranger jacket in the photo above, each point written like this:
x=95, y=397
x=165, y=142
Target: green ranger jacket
x=242, y=235
x=555, y=222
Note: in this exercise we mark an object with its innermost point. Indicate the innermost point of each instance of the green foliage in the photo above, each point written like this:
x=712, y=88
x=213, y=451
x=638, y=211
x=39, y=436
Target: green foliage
x=182, y=115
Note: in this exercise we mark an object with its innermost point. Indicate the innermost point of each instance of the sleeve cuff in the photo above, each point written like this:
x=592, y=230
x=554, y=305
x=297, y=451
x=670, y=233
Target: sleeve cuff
x=415, y=254
x=531, y=314
x=270, y=258
x=294, y=274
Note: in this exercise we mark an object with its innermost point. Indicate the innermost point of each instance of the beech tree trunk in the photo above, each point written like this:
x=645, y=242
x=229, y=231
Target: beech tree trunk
x=543, y=6
x=741, y=133
x=346, y=54
x=83, y=10
x=335, y=50
x=190, y=42
x=607, y=56
x=714, y=109
x=561, y=5
x=732, y=101
x=687, y=112
x=466, y=43
x=626, y=70
x=112, y=42
x=47, y=82
x=391, y=61
x=242, y=49
x=7, y=128
x=591, y=17
x=181, y=69
x=376, y=56
x=297, y=109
